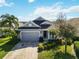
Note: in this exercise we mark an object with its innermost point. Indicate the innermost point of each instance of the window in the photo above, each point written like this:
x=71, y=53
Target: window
x=29, y=25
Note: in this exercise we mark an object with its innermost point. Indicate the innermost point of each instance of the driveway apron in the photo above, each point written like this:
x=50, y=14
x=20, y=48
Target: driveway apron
x=23, y=50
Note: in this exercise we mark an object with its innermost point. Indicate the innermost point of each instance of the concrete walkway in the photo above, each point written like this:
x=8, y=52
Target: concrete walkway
x=23, y=50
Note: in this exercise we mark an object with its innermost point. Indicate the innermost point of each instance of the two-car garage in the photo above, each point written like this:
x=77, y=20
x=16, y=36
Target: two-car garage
x=29, y=35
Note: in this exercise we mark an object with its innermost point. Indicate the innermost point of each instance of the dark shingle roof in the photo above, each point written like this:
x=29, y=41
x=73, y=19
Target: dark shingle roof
x=29, y=28
x=44, y=26
x=39, y=20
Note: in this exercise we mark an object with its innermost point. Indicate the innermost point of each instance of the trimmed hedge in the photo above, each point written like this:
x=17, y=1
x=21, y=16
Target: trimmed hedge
x=45, y=46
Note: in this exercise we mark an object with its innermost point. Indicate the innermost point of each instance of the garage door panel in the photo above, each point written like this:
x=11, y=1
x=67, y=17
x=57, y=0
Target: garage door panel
x=30, y=36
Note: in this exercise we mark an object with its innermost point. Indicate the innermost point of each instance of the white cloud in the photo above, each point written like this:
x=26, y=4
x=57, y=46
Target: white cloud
x=4, y=3
x=51, y=12
x=31, y=1
x=74, y=9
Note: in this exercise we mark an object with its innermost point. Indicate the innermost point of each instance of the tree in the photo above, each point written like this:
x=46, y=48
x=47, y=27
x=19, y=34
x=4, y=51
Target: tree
x=61, y=20
x=65, y=30
x=54, y=33
x=7, y=32
x=9, y=21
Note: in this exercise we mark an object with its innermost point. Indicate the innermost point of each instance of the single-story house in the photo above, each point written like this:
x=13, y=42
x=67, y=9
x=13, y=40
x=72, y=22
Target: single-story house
x=31, y=31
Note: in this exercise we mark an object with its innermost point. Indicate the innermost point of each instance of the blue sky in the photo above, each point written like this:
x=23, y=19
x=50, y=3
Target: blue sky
x=27, y=10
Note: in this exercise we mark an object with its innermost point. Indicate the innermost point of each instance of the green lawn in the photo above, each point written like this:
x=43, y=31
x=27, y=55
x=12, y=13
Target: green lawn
x=77, y=44
x=77, y=48
x=6, y=44
x=57, y=53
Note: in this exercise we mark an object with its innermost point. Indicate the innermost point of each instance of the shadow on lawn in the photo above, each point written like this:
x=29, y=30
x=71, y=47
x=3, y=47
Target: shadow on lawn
x=60, y=55
x=23, y=44
x=9, y=45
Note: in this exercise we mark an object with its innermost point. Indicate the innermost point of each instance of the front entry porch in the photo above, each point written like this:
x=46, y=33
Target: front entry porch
x=45, y=34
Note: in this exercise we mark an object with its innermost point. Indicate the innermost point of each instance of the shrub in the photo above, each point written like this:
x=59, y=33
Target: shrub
x=76, y=38
x=41, y=39
x=69, y=41
x=51, y=40
x=18, y=32
x=8, y=32
x=63, y=42
x=40, y=47
x=46, y=46
x=60, y=41
x=49, y=45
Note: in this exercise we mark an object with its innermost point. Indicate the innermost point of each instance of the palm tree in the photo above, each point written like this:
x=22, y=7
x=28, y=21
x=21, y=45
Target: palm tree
x=8, y=24
x=9, y=21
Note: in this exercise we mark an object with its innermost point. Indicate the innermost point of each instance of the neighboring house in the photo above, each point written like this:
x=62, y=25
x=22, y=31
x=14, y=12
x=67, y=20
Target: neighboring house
x=31, y=31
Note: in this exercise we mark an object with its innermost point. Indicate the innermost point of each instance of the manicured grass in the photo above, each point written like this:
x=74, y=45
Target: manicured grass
x=77, y=44
x=56, y=53
x=6, y=44
x=77, y=48
x=62, y=49
x=4, y=40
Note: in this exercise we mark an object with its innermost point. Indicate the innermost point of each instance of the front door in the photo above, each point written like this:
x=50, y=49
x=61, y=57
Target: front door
x=45, y=34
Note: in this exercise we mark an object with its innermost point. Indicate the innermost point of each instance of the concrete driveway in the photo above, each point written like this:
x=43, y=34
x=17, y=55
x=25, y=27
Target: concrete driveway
x=23, y=50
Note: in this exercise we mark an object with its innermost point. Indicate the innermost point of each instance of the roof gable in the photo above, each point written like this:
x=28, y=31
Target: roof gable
x=31, y=24
x=46, y=22
x=37, y=23
x=39, y=20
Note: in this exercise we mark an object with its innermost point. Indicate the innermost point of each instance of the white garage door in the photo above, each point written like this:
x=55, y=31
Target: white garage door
x=30, y=35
